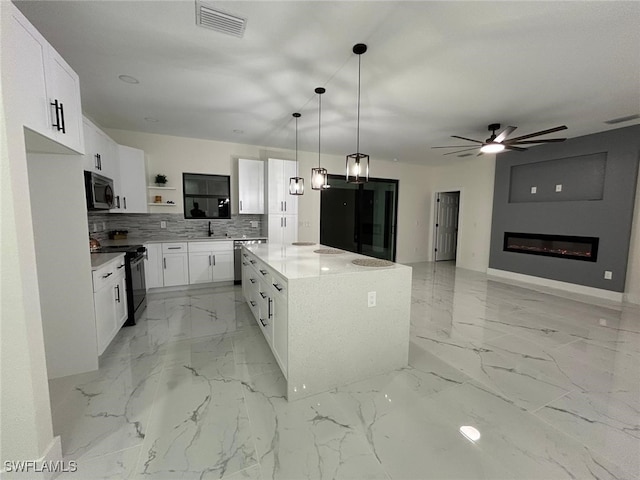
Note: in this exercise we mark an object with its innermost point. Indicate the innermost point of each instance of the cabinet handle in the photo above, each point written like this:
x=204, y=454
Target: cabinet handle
x=270, y=311
x=58, y=107
x=252, y=262
x=118, y=292
x=245, y=255
x=209, y=260
x=262, y=322
x=253, y=304
x=117, y=201
x=252, y=280
x=281, y=222
x=107, y=275
x=240, y=205
x=214, y=260
x=245, y=263
x=262, y=294
x=278, y=287
x=97, y=164
x=124, y=199
x=285, y=222
x=120, y=266
x=264, y=272
x=285, y=206
x=281, y=209
x=174, y=248
x=164, y=261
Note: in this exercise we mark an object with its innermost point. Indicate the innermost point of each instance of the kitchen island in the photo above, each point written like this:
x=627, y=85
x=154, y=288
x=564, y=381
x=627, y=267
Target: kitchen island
x=328, y=321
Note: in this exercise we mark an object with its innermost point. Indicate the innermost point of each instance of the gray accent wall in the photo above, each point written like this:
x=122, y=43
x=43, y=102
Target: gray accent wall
x=597, y=200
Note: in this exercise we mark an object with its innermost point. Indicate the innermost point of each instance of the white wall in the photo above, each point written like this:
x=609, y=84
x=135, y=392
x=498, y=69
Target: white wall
x=474, y=178
x=173, y=155
x=632, y=285
x=63, y=261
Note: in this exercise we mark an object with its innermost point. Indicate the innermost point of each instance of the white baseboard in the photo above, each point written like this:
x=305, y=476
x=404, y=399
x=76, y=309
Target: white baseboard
x=52, y=456
x=565, y=286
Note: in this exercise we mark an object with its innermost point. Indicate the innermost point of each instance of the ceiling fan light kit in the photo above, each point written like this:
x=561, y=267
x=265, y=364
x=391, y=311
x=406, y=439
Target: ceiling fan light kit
x=357, y=164
x=500, y=142
x=296, y=184
x=319, y=175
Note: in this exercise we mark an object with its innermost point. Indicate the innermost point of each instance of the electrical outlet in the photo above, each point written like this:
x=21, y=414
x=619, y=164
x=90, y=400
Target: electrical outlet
x=608, y=275
x=104, y=225
x=371, y=299
x=534, y=189
x=254, y=223
x=603, y=322
x=95, y=227
x=559, y=187
x=163, y=224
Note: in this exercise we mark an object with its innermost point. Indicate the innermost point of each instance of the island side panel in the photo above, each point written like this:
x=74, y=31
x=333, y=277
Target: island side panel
x=336, y=339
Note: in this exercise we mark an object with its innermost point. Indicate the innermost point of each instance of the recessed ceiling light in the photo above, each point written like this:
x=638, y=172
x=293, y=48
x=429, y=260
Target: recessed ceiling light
x=471, y=433
x=151, y=119
x=128, y=79
x=395, y=159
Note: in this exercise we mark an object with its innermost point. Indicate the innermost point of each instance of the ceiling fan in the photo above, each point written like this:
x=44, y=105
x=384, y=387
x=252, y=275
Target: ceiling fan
x=498, y=143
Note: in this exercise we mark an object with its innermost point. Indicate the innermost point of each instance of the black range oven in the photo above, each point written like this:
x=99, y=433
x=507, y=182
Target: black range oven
x=136, y=286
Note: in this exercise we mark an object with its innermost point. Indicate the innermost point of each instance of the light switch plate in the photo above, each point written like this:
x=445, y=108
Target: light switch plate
x=559, y=187
x=371, y=299
x=163, y=224
x=608, y=275
x=534, y=189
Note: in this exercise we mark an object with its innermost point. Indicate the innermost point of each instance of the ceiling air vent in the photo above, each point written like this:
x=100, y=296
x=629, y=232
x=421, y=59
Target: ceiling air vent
x=223, y=22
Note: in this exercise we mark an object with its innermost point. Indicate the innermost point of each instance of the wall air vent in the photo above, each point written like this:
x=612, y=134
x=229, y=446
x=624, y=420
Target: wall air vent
x=628, y=118
x=223, y=22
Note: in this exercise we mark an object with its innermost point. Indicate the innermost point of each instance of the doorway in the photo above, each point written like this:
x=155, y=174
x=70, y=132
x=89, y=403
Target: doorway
x=360, y=218
x=446, y=225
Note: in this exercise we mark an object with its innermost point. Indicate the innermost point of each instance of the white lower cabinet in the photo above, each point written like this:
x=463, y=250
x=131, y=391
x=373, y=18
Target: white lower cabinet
x=283, y=228
x=267, y=296
x=175, y=264
x=210, y=262
x=153, y=274
x=110, y=301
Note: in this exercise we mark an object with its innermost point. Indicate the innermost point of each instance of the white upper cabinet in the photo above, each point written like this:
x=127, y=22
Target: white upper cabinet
x=250, y=186
x=45, y=89
x=100, y=151
x=280, y=171
x=132, y=180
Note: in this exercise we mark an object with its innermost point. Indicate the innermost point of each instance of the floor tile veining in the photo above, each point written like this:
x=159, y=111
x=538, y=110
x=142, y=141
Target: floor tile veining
x=551, y=383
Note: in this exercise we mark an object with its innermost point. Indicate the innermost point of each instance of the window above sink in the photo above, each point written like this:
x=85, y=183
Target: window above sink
x=206, y=196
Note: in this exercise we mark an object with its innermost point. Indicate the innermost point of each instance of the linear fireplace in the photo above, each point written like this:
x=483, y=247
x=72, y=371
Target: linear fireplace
x=563, y=246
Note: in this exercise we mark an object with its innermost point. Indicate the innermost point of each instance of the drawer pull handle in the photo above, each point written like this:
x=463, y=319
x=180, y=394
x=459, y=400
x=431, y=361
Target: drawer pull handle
x=107, y=275
x=262, y=322
x=270, y=310
x=245, y=263
x=253, y=304
x=262, y=294
x=252, y=262
x=252, y=280
x=264, y=272
x=278, y=287
x=245, y=255
x=174, y=248
x=118, y=291
x=121, y=266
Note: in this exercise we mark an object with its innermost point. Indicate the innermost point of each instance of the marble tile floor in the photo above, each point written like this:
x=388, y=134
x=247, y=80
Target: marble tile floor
x=551, y=383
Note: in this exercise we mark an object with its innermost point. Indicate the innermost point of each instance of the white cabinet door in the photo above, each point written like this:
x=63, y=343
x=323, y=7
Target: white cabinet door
x=250, y=186
x=200, y=267
x=63, y=90
x=153, y=266
x=275, y=185
x=290, y=201
x=26, y=51
x=104, y=300
x=133, y=180
x=120, y=301
x=176, y=269
x=275, y=228
x=290, y=229
x=222, y=266
x=91, y=158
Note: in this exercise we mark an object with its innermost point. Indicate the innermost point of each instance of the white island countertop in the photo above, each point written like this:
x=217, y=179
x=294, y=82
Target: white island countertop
x=294, y=261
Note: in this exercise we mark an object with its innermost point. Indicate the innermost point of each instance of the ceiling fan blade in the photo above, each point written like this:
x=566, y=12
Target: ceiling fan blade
x=454, y=146
x=511, y=147
x=468, y=139
x=504, y=134
x=546, y=140
x=460, y=151
x=543, y=132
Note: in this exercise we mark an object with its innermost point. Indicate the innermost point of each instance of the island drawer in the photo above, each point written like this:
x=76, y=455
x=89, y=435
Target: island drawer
x=278, y=284
x=107, y=273
x=177, y=247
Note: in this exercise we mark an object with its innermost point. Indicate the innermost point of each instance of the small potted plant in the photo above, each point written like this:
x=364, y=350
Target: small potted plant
x=161, y=180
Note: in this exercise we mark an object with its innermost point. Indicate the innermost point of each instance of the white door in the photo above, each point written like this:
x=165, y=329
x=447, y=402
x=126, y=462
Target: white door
x=447, y=206
x=200, y=267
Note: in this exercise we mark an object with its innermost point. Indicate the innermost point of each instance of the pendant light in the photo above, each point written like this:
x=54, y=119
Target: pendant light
x=296, y=184
x=358, y=163
x=319, y=177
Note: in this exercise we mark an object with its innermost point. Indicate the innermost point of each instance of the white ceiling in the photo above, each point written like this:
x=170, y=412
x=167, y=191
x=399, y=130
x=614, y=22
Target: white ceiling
x=433, y=69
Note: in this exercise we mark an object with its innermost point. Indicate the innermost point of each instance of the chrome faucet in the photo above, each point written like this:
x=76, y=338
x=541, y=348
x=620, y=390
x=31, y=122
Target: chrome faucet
x=210, y=232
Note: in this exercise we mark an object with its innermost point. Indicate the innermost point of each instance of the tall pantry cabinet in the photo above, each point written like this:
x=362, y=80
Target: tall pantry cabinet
x=283, y=207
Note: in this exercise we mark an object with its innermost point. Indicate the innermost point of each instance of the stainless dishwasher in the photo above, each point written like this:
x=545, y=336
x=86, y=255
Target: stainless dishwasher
x=237, y=259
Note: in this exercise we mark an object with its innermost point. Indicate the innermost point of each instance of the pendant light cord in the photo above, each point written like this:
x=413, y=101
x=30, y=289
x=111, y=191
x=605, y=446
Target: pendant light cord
x=319, y=124
x=296, y=146
x=358, y=127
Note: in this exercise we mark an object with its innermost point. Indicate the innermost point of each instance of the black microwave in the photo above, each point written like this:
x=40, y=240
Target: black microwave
x=99, y=191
